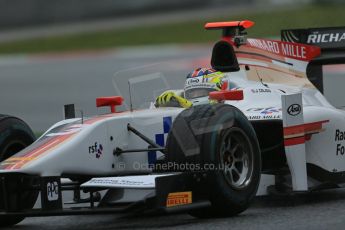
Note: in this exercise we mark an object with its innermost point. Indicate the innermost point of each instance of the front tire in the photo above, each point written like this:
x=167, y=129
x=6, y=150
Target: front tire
x=227, y=140
x=17, y=199
x=15, y=135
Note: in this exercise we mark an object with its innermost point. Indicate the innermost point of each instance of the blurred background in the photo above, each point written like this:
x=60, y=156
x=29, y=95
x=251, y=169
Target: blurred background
x=71, y=51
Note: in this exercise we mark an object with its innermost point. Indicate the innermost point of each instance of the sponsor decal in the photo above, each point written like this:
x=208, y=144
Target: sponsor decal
x=340, y=136
x=260, y=90
x=340, y=149
x=294, y=109
x=193, y=81
x=179, y=198
x=280, y=48
x=52, y=191
x=96, y=149
x=322, y=37
x=258, y=117
x=268, y=110
x=325, y=38
x=111, y=181
x=201, y=85
x=209, y=81
x=264, y=113
x=264, y=117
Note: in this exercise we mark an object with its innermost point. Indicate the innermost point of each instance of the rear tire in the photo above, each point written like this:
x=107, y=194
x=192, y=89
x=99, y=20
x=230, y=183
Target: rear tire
x=217, y=130
x=15, y=135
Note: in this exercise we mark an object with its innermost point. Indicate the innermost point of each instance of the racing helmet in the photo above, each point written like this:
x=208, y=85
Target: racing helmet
x=201, y=82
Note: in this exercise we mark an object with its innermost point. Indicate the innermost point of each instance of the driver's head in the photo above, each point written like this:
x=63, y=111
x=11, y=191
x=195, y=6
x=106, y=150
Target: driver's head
x=202, y=81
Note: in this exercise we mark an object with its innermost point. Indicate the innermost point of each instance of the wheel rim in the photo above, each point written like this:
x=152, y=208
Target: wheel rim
x=236, y=156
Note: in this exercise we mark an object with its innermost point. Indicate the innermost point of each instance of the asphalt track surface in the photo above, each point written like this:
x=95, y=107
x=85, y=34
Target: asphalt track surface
x=320, y=210
x=36, y=87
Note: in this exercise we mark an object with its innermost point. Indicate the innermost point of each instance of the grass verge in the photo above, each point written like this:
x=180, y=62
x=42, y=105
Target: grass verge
x=267, y=24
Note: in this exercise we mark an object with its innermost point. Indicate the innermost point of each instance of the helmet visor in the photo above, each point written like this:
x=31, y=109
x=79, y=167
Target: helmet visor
x=197, y=92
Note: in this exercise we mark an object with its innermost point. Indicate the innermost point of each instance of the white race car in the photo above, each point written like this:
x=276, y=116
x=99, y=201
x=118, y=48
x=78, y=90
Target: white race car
x=272, y=131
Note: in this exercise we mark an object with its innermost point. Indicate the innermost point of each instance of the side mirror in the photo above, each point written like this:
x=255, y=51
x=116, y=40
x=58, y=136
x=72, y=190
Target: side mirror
x=231, y=95
x=109, y=101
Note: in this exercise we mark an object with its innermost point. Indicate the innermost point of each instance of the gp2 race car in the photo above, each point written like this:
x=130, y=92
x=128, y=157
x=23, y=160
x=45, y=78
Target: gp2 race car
x=272, y=131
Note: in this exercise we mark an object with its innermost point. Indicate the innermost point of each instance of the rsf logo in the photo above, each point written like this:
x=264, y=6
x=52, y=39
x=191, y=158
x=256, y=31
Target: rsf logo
x=294, y=109
x=96, y=149
x=265, y=111
x=52, y=191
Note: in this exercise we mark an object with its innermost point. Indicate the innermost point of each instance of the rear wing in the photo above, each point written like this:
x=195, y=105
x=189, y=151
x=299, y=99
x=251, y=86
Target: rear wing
x=235, y=49
x=269, y=60
x=331, y=40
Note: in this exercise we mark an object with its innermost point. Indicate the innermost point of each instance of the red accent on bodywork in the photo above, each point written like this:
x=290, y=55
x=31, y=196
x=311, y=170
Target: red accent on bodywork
x=109, y=101
x=294, y=141
x=304, y=128
x=46, y=146
x=218, y=25
x=225, y=85
x=304, y=132
x=231, y=95
x=308, y=137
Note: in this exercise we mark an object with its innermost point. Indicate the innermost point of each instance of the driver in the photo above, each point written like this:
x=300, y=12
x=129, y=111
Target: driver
x=198, y=85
